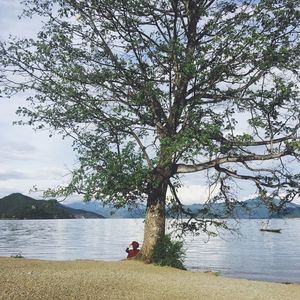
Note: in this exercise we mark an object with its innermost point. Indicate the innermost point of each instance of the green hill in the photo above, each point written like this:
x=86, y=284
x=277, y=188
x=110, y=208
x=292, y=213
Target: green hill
x=18, y=206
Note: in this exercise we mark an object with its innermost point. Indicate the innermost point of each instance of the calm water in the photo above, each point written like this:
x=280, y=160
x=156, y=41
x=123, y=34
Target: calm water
x=252, y=254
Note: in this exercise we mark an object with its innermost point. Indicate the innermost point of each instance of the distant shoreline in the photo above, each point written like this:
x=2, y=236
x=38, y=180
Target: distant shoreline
x=17, y=206
x=85, y=279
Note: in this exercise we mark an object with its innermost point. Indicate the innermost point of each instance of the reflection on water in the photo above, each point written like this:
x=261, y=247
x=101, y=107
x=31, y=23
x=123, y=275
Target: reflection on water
x=252, y=254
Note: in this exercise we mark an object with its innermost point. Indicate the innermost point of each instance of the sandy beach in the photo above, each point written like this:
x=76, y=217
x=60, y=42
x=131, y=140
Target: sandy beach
x=36, y=279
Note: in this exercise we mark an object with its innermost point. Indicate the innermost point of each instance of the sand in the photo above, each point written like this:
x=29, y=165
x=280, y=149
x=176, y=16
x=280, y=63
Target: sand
x=36, y=279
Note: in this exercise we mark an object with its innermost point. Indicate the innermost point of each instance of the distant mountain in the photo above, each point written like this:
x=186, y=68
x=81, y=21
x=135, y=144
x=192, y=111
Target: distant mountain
x=249, y=209
x=108, y=211
x=18, y=206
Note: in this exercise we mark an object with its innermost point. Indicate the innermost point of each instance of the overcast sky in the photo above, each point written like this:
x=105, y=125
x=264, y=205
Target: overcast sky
x=29, y=158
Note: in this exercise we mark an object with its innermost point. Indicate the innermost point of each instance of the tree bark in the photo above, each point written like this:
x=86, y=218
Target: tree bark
x=155, y=219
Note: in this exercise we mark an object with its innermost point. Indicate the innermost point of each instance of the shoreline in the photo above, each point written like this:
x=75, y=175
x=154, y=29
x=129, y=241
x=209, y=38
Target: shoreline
x=216, y=273
x=233, y=276
x=22, y=278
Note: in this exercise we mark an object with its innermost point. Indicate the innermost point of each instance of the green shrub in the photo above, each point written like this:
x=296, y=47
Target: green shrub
x=169, y=252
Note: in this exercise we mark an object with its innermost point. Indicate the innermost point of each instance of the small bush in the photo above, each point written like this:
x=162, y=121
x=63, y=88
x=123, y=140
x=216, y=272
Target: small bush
x=169, y=252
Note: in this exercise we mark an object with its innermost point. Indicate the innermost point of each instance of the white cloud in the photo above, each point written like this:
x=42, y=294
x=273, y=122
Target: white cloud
x=15, y=151
x=48, y=173
x=195, y=188
x=10, y=10
x=8, y=175
x=191, y=194
x=24, y=181
x=27, y=158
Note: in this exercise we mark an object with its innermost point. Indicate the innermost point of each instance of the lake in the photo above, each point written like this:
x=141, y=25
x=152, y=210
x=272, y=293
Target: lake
x=252, y=254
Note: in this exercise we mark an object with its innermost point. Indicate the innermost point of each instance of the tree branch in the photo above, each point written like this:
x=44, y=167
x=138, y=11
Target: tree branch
x=184, y=168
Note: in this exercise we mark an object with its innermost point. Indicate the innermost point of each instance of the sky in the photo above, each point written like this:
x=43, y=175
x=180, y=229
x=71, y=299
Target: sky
x=29, y=158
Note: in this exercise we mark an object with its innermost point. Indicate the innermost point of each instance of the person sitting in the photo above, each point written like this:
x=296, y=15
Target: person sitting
x=132, y=249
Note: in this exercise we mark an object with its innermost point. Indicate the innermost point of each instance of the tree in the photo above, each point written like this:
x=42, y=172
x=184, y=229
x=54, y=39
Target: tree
x=150, y=90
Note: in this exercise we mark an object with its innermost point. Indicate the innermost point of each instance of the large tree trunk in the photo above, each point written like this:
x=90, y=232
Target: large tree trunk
x=154, y=228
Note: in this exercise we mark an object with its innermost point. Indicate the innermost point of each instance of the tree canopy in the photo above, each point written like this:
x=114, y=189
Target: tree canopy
x=150, y=90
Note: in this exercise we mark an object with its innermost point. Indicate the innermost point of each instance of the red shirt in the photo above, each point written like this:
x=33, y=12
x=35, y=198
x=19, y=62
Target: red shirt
x=132, y=253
